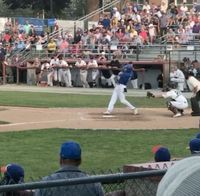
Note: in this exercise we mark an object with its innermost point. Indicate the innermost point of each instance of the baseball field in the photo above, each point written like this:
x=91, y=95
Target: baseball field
x=34, y=121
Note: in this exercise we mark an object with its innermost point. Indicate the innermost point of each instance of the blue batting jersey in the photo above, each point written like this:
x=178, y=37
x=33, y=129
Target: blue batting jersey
x=125, y=75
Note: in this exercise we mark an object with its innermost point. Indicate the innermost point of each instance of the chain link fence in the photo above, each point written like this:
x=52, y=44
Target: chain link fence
x=143, y=183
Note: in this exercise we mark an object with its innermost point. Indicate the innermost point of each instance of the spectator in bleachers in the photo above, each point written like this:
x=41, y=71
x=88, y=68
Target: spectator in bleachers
x=106, y=22
x=51, y=47
x=152, y=33
x=116, y=14
x=63, y=46
x=146, y=7
x=171, y=36
x=70, y=160
x=27, y=28
x=8, y=25
x=144, y=35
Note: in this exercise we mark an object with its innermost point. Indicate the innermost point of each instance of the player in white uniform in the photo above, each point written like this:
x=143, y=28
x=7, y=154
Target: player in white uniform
x=64, y=72
x=178, y=77
x=118, y=93
x=176, y=103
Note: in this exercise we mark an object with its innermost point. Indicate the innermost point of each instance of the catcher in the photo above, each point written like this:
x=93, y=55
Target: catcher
x=176, y=101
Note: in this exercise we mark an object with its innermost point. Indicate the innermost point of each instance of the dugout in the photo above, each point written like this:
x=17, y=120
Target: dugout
x=147, y=72
x=151, y=70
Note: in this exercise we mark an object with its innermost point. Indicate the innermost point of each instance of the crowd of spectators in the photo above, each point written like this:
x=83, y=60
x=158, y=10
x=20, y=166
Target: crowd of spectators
x=117, y=34
x=118, y=31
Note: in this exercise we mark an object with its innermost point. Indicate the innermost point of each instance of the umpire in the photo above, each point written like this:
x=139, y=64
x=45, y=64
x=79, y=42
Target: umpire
x=194, y=86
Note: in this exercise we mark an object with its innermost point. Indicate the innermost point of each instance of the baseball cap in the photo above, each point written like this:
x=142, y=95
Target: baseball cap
x=162, y=154
x=198, y=135
x=128, y=67
x=194, y=145
x=70, y=150
x=14, y=172
x=182, y=179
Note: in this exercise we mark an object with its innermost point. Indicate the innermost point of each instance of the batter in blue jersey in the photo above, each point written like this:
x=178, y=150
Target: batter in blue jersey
x=118, y=93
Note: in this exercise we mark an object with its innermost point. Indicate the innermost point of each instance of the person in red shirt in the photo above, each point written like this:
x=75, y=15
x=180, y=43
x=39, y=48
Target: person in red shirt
x=143, y=34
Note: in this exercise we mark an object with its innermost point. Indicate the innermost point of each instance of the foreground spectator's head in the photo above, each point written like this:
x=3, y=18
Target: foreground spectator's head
x=70, y=153
x=13, y=174
x=162, y=154
x=194, y=145
x=182, y=179
x=198, y=135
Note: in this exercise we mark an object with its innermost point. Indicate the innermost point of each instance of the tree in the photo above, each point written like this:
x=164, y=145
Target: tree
x=38, y=5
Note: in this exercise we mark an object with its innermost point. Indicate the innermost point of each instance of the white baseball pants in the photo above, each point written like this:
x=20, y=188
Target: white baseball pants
x=118, y=93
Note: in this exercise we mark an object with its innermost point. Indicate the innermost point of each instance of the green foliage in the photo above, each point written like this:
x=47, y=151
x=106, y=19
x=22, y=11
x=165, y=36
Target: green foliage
x=37, y=5
x=38, y=151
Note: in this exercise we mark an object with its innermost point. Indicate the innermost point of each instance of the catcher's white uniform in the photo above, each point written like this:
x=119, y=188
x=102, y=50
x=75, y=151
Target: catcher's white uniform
x=177, y=99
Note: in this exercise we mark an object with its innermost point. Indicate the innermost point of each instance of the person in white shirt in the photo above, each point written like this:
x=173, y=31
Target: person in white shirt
x=92, y=64
x=81, y=64
x=49, y=71
x=194, y=86
x=176, y=103
x=116, y=14
x=64, y=72
x=54, y=64
x=146, y=7
x=177, y=76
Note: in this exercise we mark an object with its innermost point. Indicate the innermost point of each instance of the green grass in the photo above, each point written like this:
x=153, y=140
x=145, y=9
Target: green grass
x=38, y=151
x=33, y=99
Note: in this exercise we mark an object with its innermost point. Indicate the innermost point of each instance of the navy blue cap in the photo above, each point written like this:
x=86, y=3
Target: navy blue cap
x=15, y=172
x=198, y=135
x=70, y=150
x=194, y=145
x=162, y=154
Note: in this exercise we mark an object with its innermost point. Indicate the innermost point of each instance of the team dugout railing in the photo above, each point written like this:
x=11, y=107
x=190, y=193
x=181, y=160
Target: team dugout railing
x=141, y=183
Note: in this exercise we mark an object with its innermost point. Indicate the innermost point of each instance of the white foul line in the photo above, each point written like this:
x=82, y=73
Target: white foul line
x=26, y=123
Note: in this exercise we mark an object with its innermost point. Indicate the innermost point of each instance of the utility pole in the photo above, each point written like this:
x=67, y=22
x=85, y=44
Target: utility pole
x=51, y=8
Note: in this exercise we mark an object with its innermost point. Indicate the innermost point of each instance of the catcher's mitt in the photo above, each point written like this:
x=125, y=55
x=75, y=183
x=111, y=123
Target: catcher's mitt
x=149, y=94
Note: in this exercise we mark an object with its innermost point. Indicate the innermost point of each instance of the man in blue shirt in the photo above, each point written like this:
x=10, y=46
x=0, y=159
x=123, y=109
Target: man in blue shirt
x=70, y=160
x=118, y=93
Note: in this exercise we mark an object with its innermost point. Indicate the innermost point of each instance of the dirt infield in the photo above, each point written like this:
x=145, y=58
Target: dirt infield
x=23, y=118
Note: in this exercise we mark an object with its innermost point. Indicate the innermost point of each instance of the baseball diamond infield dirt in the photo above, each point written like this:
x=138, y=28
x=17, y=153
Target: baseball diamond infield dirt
x=24, y=118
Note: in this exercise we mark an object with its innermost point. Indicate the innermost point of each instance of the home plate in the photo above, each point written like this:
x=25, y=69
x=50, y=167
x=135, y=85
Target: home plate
x=108, y=116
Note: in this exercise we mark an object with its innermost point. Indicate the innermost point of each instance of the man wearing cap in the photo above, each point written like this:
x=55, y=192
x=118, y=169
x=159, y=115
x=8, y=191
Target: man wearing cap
x=118, y=93
x=194, y=146
x=162, y=154
x=13, y=174
x=70, y=159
